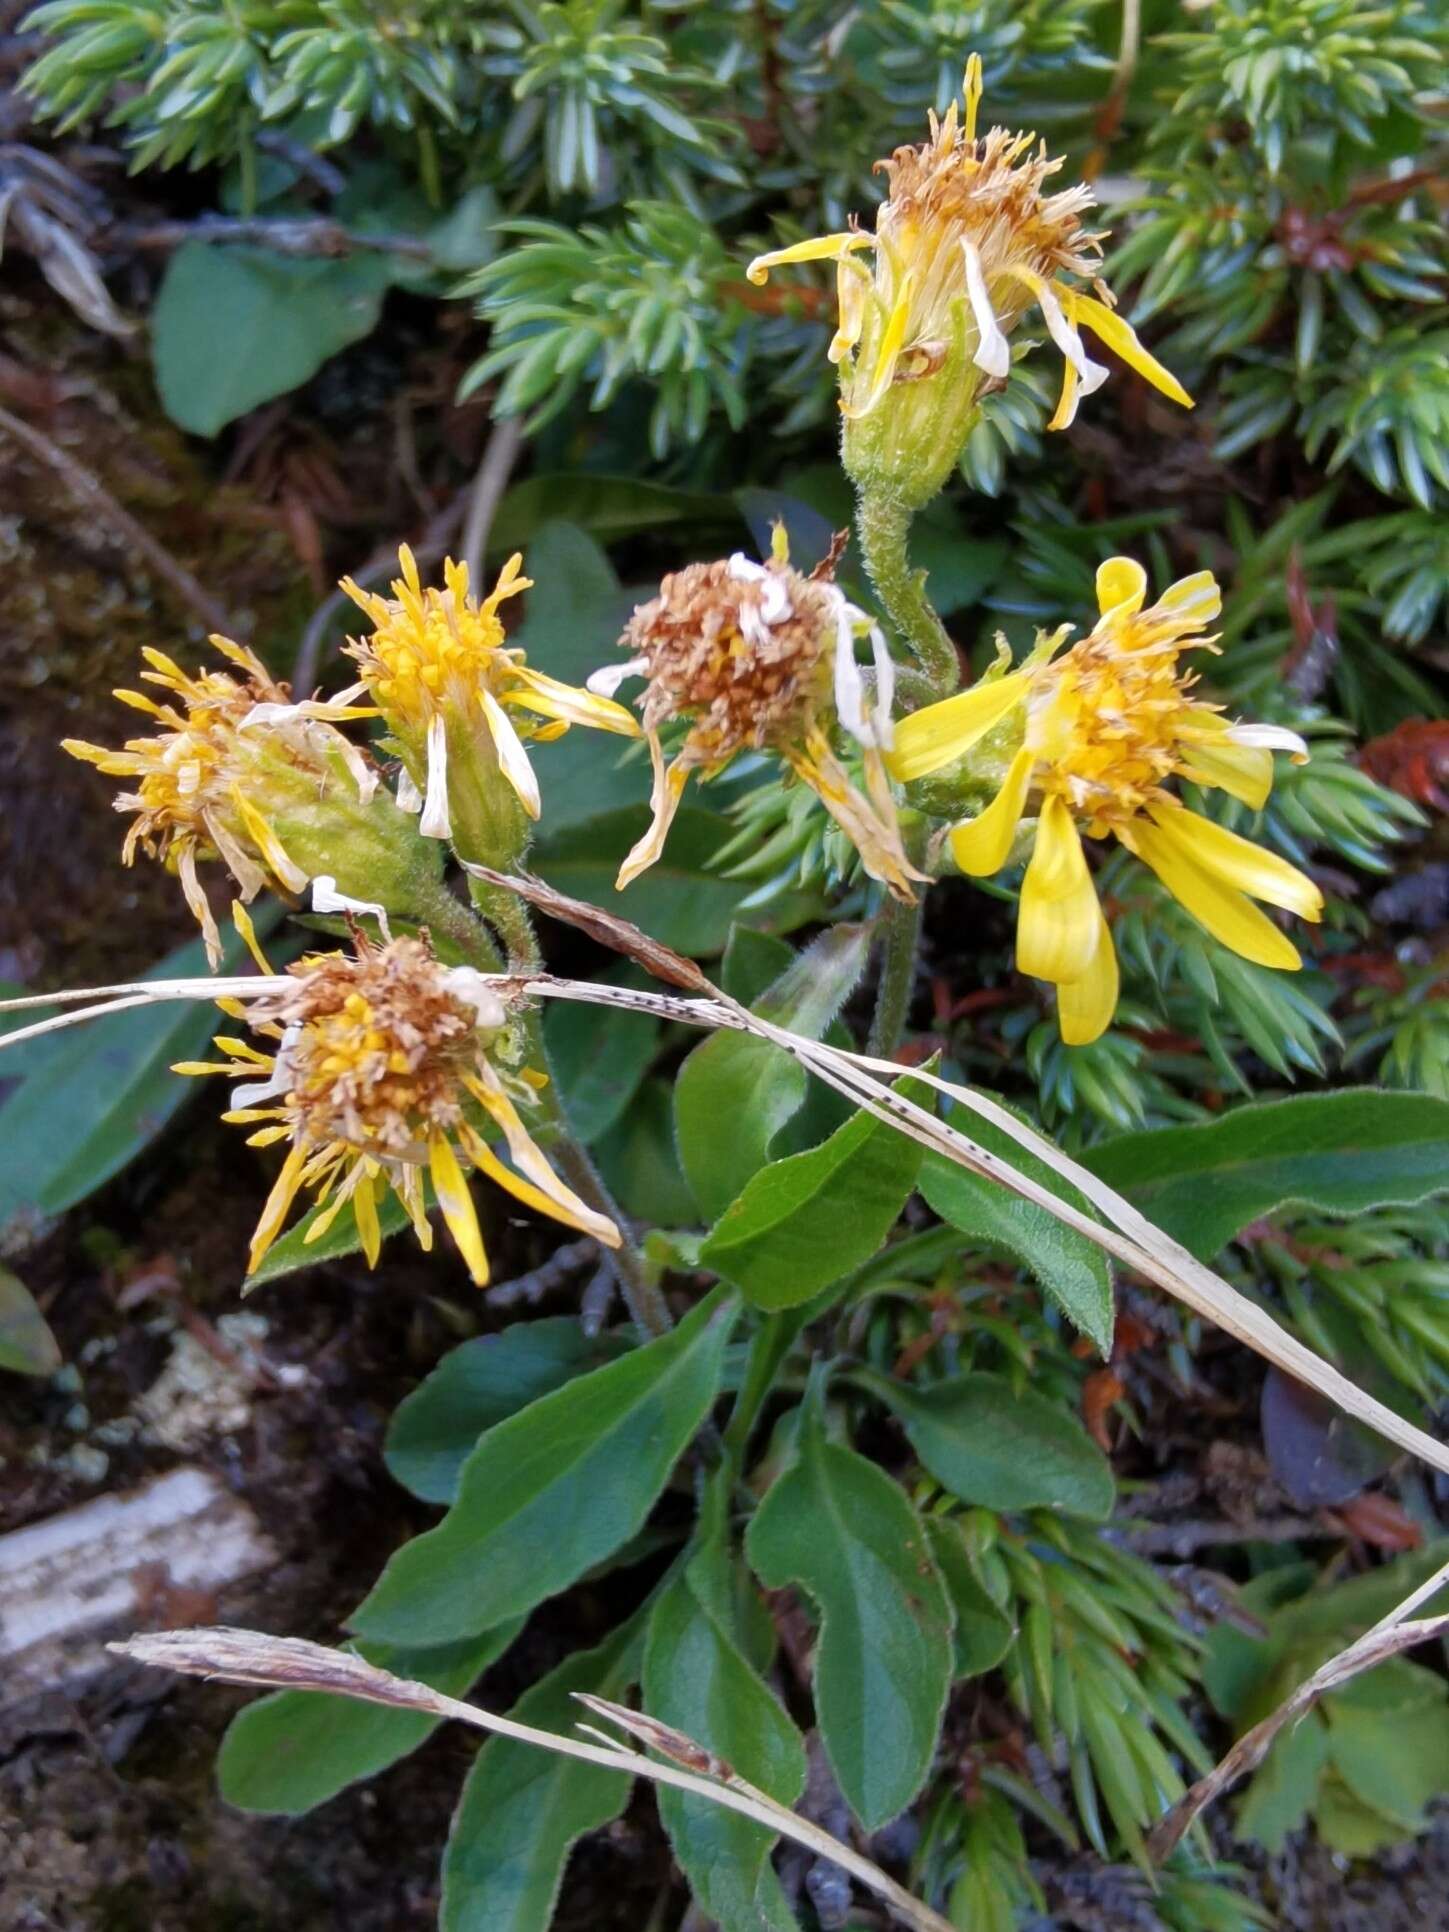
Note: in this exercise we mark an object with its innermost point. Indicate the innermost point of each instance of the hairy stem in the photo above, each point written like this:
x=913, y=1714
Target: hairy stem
x=884, y=525
x=900, y=939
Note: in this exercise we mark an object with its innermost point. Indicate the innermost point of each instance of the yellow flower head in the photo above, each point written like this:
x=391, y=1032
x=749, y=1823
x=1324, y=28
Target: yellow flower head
x=1104, y=728
x=450, y=688
x=760, y=656
x=966, y=242
x=384, y=1069
x=234, y=765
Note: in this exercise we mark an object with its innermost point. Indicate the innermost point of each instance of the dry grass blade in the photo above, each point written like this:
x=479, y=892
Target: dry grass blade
x=290, y=1663
x=1388, y=1637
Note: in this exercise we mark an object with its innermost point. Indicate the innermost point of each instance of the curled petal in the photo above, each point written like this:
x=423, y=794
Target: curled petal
x=1121, y=586
x=981, y=846
x=326, y=898
x=551, y=698
x=820, y=248
x=993, y=352
x=892, y=341
x=869, y=823
x=1268, y=737
x=664, y=799
x=606, y=681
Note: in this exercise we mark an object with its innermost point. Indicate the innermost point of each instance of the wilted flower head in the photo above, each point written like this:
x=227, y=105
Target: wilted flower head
x=761, y=657
x=1099, y=733
x=237, y=770
x=966, y=242
x=461, y=702
x=386, y=1068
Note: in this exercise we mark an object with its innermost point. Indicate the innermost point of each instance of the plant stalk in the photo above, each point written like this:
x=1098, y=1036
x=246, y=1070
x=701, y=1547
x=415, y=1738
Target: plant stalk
x=883, y=524
x=900, y=941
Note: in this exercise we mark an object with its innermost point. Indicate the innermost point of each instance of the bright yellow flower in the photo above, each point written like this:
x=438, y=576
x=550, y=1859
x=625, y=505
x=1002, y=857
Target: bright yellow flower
x=237, y=770
x=760, y=656
x=1103, y=729
x=384, y=1067
x=457, y=697
x=965, y=243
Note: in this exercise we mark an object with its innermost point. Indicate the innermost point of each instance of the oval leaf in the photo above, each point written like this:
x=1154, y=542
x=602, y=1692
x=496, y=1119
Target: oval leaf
x=1342, y=1153
x=435, y=1429
x=1007, y=1449
x=522, y=1809
x=839, y=1527
x=735, y=1091
x=554, y=1490
x=806, y=1221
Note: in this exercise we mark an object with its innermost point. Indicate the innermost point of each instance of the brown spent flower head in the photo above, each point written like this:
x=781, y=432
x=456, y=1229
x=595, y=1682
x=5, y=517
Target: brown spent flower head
x=234, y=771
x=761, y=657
x=386, y=1065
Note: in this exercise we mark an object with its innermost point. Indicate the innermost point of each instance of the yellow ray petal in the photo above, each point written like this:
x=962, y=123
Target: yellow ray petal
x=1085, y=1006
x=1121, y=586
x=982, y=845
x=669, y=786
x=1121, y=337
x=268, y=844
x=1198, y=593
x=1060, y=921
x=512, y=758
x=820, y=248
x=852, y=285
x=559, y=1204
x=1211, y=758
x=242, y=920
x=892, y=341
x=934, y=736
x=551, y=698
x=1065, y=413
x=1228, y=914
x=278, y=1203
x=869, y=823
x=1239, y=862
x=364, y=1211
x=457, y=1205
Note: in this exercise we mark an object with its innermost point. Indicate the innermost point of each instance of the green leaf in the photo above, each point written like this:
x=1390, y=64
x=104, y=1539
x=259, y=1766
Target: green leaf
x=479, y=1384
x=233, y=327
x=523, y=1809
x=1002, y=1447
x=599, y=1056
x=1285, y=1784
x=735, y=1091
x=640, y=1161
x=1071, y=1269
x=984, y=1632
x=679, y=900
x=27, y=1346
x=752, y=960
x=555, y=1489
x=609, y=506
x=838, y=1526
x=806, y=1221
x=1342, y=1153
x=91, y=1098
x=697, y=1678
x=1397, y=1763
x=296, y=1749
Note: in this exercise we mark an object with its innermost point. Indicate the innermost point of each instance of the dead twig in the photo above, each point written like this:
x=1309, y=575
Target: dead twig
x=90, y=492
x=500, y=453
x=289, y=1663
x=1389, y=1636
x=305, y=235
